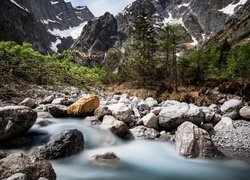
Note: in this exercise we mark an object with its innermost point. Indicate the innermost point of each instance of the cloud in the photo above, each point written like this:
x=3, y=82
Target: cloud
x=99, y=7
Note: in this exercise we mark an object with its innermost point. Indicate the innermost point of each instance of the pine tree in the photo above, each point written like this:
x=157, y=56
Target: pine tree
x=141, y=62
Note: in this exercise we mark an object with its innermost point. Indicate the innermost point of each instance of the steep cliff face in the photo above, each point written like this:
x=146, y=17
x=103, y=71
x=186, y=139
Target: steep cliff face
x=59, y=23
x=98, y=35
x=237, y=28
x=18, y=24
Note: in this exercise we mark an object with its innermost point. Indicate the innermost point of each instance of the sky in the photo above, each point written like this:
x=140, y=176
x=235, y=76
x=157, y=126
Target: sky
x=99, y=7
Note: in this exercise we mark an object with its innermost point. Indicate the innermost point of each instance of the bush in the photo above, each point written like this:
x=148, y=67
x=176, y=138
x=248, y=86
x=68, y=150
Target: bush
x=21, y=62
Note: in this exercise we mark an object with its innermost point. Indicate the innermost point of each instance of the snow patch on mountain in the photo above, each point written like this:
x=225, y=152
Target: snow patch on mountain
x=53, y=45
x=54, y=2
x=14, y=2
x=230, y=9
x=74, y=32
x=47, y=21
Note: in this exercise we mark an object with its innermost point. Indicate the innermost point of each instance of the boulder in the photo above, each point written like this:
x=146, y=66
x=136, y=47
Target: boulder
x=121, y=112
x=156, y=110
x=28, y=102
x=232, y=137
x=22, y=166
x=101, y=111
x=48, y=100
x=245, y=112
x=59, y=101
x=193, y=142
x=109, y=156
x=174, y=113
x=142, y=132
x=231, y=108
x=151, y=121
x=66, y=143
x=91, y=121
x=15, y=121
x=143, y=106
x=57, y=110
x=118, y=128
x=84, y=106
x=151, y=102
x=209, y=113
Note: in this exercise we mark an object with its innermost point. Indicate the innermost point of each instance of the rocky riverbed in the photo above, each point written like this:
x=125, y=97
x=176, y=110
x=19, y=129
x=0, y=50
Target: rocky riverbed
x=220, y=131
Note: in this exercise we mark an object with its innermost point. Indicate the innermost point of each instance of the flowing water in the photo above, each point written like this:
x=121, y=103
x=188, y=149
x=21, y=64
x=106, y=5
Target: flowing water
x=144, y=160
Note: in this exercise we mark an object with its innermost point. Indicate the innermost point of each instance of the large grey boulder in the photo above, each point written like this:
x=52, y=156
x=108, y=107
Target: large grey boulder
x=245, y=112
x=209, y=113
x=15, y=121
x=174, y=113
x=142, y=132
x=66, y=143
x=121, y=112
x=151, y=121
x=194, y=142
x=57, y=110
x=232, y=137
x=231, y=108
x=118, y=128
x=101, y=111
x=21, y=166
x=151, y=102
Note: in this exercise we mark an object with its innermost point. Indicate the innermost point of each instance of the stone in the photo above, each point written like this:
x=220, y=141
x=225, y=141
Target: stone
x=209, y=113
x=20, y=165
x=217, y=118
x=142, y=106
x=142, y=132
x=62, y=145
x=31, y=103
x=135, y=101
x=91, y=121
x=174, y=113
x=60, y=101
x=101, y=111
x=109, y=156
x=193, y=142
x=57, y=110
x=151, y=121
x=18, y=176
x=151, y=102
x=231, y=108
x=121, y=112
x=207, y=127
x=156, y=110
x=84, y=105
x=245, y=112
x=118, y=128
x=48, y=100
x=166, y=136
x=232, y=137
x=15, y=121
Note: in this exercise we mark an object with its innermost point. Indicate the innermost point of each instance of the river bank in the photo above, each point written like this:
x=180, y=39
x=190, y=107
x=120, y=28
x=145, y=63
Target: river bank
x=131, y=128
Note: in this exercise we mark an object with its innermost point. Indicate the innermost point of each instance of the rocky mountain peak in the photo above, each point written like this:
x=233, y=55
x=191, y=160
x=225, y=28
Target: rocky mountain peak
x=98, y=35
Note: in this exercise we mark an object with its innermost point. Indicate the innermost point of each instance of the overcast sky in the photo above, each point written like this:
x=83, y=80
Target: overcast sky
x=99, y=7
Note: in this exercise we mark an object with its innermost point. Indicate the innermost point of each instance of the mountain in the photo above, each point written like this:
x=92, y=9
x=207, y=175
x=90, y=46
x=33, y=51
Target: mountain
x=98, y=35
x=200, y=19
x=236, y=29
x=50, y=25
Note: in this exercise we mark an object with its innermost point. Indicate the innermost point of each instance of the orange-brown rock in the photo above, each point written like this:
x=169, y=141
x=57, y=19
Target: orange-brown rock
x=84, y=105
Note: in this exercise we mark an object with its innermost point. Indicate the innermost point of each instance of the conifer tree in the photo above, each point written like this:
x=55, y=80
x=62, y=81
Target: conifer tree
x=141, y=62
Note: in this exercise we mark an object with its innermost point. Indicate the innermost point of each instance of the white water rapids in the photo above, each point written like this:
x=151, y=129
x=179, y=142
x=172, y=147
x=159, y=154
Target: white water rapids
x=139, y=160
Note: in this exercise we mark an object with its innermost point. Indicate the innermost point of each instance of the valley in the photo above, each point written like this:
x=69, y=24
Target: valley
x=160, y=90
